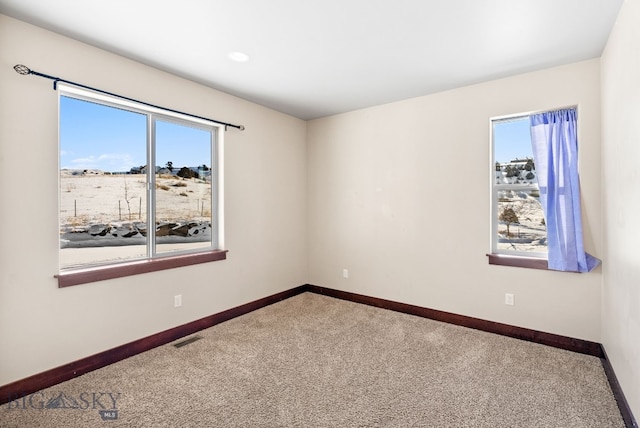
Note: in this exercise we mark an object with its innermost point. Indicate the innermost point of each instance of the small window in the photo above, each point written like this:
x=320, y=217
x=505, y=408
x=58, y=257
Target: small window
x=518, y=223
x=136, y=183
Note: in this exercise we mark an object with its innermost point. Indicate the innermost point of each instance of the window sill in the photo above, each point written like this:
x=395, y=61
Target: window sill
x=518, y=261
x=101, y=273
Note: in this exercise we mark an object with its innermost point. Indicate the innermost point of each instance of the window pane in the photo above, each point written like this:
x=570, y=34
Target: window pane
x=102, y=205
x=183, y=198
x=521, y=224
x=518, y=214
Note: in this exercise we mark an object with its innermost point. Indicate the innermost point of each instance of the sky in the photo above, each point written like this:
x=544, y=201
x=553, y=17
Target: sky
x=95, y=136
x=512, y=139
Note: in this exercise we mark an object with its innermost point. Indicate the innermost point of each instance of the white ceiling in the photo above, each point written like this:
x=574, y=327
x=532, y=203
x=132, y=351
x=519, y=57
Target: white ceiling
x=313, y=58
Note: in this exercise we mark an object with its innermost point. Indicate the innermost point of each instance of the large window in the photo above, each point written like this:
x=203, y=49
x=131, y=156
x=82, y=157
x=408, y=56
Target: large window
x=136, y=183
x=518, y=223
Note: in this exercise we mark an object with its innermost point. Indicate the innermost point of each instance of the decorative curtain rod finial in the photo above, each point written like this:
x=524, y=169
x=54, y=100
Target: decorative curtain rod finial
x=22, y=69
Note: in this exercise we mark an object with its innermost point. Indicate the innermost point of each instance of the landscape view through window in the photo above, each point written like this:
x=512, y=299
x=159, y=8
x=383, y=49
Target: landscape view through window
x=106, y=196
x=518, y=215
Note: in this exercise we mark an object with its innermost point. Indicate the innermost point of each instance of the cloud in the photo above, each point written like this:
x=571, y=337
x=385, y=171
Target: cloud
x=113, y=162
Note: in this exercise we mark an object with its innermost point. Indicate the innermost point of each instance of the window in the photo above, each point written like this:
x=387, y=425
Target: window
x=137, y=185
x=518, y=223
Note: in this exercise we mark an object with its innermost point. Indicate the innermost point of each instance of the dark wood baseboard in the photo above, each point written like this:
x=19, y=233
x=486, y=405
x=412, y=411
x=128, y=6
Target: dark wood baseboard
x=554, y=340
x=623, y=405
x=557, y=341
x=66, y=372
x=69, y=371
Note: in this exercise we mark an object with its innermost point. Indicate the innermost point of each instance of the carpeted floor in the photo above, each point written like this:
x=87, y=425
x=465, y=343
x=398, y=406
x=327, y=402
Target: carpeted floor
x=315, y=361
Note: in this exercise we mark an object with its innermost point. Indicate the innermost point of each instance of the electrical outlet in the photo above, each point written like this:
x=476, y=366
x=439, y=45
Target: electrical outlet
x=177, y=300
x=345, y=273
x=509, y=299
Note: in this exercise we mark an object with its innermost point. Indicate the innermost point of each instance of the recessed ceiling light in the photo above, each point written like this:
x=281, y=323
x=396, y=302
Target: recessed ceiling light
x=239, y=56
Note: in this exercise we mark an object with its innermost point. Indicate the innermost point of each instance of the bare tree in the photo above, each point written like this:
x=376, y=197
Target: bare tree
x=127, y=197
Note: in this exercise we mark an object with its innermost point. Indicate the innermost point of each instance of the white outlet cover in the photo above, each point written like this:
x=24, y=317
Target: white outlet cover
x=509, y=299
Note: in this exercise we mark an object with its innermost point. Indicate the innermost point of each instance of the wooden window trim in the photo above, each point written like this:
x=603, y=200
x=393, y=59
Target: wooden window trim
x=518, y=261
x=120, y=270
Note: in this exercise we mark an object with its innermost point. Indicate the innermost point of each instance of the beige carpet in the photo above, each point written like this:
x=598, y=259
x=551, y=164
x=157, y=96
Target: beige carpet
x=315, y=361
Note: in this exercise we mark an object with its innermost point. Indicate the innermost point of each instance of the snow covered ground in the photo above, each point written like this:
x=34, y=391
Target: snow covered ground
x=103, y=216
x=529, y=233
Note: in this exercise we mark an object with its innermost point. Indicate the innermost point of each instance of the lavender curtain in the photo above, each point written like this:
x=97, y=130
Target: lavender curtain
x=555, y=152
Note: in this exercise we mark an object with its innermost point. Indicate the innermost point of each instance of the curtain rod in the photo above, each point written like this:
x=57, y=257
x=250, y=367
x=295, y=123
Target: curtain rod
x=24, y=70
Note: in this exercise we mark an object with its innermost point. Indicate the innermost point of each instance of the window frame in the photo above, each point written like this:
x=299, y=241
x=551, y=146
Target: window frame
x=153, y=260
x=496, y=256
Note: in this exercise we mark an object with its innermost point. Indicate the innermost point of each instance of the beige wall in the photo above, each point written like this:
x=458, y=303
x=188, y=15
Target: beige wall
x=41, y=326
x=399, y=195
x=621, y=200
x=371, y=191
